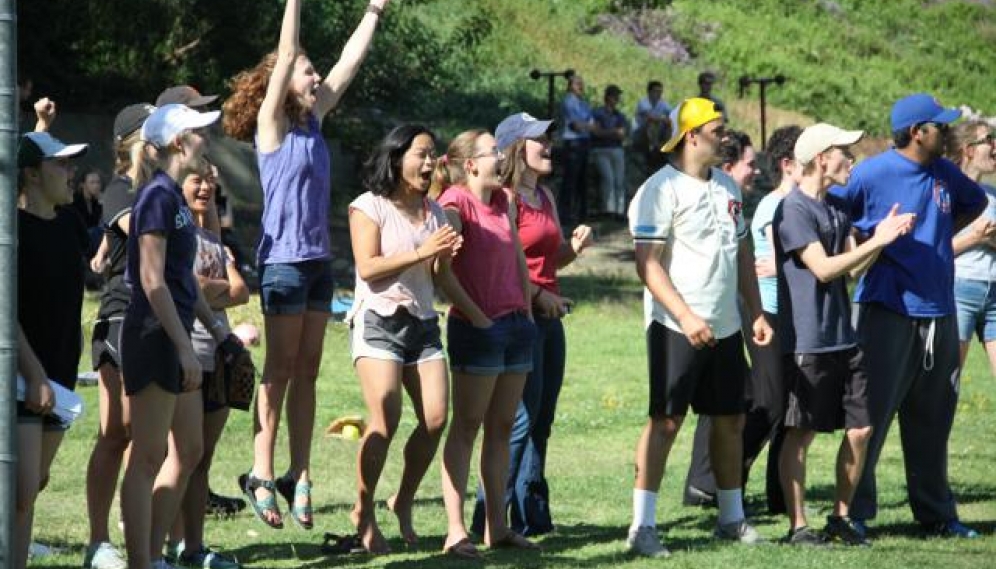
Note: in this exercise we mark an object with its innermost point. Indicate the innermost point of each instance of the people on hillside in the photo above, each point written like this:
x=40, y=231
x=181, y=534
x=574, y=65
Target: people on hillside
x=609, y=130
x=906, y=323
x=652, y=126
x=691, y=211
x=765, y=392
x=826, y=380
x=398, y=236
x=161, y=373
x=51, y=252
x=111, y=259
x=279, y=105
x=973, y=148
x=706, y=81
x=489, y=334
x=222, y=286
x=576, y=137
x=526, y=143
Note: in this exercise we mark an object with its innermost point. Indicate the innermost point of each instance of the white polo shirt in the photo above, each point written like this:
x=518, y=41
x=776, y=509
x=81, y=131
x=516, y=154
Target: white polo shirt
x=700, y=224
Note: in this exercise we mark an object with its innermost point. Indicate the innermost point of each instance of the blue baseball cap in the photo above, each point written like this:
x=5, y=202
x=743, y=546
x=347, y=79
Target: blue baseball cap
x=920, y=108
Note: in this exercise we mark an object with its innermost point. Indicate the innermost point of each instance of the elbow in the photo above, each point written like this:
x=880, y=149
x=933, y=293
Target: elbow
x=824, y=277
x=240, y=295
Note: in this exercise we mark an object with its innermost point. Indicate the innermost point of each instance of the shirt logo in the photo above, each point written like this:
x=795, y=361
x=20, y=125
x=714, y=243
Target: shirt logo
x=184, y=218
x=941, y=197
x=735, y=209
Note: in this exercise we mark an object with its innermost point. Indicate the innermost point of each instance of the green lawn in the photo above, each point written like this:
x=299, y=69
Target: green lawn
x=602, y=409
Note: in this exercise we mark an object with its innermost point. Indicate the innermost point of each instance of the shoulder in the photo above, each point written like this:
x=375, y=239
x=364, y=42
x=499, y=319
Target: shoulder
x=452, y=197
x=724, y=180
x=367, y=202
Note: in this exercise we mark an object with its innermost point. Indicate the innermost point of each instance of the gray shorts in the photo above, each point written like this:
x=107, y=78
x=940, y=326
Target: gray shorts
x=400, y=337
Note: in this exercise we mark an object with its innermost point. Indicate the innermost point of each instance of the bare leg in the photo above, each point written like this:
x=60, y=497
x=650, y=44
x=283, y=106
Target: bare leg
x=151, y=417
x=494, y=458
x=471, y=397
x=186, y=447
x=428, y=389
x=726, y=446
x=991, y=352
x=653, y=449
x=850, y=464
x=29, y=445
x=381, y=384
x=195, y=499
x=792, y=468
x=108, y=452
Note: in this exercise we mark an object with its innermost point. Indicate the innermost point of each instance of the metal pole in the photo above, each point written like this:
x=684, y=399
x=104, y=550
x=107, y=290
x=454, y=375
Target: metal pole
x=8, y=275
x=549, y=96
x=764, y=138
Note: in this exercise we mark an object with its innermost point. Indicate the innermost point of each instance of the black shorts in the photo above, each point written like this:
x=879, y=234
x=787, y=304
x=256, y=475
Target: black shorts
x=148, y=355
x=826, y=391
x=711, y=380
x=106, y=342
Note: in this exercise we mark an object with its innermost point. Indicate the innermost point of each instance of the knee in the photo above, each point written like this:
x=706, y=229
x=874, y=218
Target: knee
x=435, y=424
x=464, y=428
x=190, y=454
x=114, y=439
x=860, y=435
x=146, y=462
x=665, y=427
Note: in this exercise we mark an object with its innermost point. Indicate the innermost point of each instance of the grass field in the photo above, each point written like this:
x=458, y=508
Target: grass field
x=602, y=409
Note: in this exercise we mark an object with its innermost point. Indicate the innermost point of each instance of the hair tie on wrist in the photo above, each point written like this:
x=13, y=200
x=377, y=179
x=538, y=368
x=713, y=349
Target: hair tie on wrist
x=373, y=9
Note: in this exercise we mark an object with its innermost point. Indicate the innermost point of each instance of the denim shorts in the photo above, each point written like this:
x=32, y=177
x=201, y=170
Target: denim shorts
x=505, y=347
x=975, y=303
x=293, y=288
x=400, y=337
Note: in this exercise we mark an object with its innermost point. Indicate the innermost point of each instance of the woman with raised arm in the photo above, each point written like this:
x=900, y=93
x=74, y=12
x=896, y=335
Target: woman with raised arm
x=398, y=234
x=279, y=105
x=162, y=376
x=489, y=334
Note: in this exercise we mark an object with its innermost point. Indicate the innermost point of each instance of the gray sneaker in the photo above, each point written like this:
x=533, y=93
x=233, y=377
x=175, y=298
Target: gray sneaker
x=738, y=531
x=644, y=541
x=103, y=555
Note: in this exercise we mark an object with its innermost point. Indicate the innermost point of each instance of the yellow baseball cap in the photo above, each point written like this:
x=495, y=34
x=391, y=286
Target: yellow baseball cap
x=690, y=114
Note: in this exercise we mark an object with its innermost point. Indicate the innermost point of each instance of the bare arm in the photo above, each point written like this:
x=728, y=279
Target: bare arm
x=982, y=231
x=38, y=396
x=859, y=258
x=747, y=284
x=353, y=54
x=372, y=265
x=44, y=114
x=272, y=120
x=657, y=281
x=765, y=266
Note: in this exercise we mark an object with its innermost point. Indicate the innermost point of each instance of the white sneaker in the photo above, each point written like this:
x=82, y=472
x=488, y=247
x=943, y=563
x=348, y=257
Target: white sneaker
x=103, y=555
x=739, y=531
x=644, y=541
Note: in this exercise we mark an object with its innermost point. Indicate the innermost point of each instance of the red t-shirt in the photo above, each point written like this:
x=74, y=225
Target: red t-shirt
x=541, y=241
x=487, y=265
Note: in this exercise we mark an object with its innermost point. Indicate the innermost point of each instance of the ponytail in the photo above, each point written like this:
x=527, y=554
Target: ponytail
x=449, y=168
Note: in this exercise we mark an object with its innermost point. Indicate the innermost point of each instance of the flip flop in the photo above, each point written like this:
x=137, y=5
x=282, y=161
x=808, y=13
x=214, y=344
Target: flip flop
x=334, y=544
x=249, y=484
x=291, y=491
x=463, y=549
x=512, y=540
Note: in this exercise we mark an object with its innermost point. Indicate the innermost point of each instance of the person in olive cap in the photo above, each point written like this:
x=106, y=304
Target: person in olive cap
x=51, y=250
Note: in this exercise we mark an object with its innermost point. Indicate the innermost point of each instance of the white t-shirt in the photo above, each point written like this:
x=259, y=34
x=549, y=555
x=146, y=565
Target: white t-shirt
x=412, y=289
x=700, y=224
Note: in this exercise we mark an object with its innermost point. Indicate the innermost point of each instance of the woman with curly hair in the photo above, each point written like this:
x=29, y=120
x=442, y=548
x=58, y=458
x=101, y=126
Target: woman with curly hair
x=280, y=104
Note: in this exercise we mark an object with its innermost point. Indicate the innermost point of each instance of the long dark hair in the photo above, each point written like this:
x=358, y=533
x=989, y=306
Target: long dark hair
x=382, y=169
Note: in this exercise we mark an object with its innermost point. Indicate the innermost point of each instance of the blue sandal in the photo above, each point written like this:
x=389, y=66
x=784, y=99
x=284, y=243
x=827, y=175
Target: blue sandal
x=249, y=484
x=291, y=491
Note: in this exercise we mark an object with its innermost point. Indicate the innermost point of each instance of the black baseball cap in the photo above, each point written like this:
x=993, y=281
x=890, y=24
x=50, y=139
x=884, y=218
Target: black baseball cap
x=130, y=119
x=184, y=95
x=35, y=147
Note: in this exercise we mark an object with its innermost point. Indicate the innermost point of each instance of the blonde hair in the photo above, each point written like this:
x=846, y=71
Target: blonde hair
x=961, y=136
x=146, y=158
x=449, y=168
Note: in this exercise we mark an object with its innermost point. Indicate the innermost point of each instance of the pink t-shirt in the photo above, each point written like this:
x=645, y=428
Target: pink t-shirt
x=412, y=289
x=487, y=265
x=541, y=241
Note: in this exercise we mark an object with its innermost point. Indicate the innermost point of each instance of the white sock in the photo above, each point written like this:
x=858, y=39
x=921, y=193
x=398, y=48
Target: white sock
x=731, y=505
x=644, y=509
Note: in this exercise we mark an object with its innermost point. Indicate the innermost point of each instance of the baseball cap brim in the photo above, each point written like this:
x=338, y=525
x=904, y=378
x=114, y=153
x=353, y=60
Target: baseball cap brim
x=71, y=151
x=947, y=116
x=681, y=128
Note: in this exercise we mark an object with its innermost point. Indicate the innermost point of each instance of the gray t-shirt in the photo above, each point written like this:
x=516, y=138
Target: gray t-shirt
x=979, y=262
x=210, y=263
x=813, y=317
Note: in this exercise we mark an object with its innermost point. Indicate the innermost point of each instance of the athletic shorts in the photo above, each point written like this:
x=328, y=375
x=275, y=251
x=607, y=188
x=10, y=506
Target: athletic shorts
x=400, y=337
x=975, y=303
x=710, y=380
x=293, y=288
x=826, y=391
x=505, y=347
x=148, y=355
x=106, y=343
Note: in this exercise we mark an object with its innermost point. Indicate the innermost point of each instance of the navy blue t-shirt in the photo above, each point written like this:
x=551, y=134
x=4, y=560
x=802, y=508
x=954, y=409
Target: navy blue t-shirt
x=913, y=276
x=813, y=316
x=160, y=208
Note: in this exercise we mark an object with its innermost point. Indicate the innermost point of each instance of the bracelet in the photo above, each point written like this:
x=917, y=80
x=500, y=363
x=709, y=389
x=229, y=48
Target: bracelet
x=374, y=9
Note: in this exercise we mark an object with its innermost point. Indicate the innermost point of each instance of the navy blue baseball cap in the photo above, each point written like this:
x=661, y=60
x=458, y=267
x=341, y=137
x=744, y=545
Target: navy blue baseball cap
x=920, y=108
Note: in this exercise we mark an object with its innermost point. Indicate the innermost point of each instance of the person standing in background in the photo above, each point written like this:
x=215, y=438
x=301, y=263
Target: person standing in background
x=652, y=126
x=610, y=127
x=576, y=136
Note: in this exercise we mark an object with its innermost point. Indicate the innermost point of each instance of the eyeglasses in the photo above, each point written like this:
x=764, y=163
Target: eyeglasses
x=497, y=154
x=987, y=139
x=940, y=126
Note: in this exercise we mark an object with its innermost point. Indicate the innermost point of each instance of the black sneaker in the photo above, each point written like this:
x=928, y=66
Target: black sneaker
x=224, y=506
x=806, y=536
x=846, y=531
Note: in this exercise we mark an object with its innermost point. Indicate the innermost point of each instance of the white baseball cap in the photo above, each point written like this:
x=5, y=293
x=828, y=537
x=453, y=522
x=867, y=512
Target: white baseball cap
x=821, y=137
x=34, y=147
x=168, y=121
x=519, y=126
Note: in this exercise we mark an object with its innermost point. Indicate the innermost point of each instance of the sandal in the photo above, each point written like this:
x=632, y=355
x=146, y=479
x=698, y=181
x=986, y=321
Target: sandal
x=463, y=549
x=342, y=544
x=249, y=484
x=291, y=491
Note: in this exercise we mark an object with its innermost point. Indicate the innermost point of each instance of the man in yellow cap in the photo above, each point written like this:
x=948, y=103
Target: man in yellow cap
x=693, y=258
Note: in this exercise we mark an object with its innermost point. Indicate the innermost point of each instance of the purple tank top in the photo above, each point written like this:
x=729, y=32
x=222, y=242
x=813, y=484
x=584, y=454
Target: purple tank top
x=296, y=180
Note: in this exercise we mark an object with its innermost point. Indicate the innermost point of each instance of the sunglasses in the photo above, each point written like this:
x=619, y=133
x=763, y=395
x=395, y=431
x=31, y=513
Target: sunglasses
x=493, y=152
x=987, y=139
x=941, y=127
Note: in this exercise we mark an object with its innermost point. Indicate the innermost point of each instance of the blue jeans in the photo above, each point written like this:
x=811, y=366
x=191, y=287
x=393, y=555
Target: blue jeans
x=527, y=494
